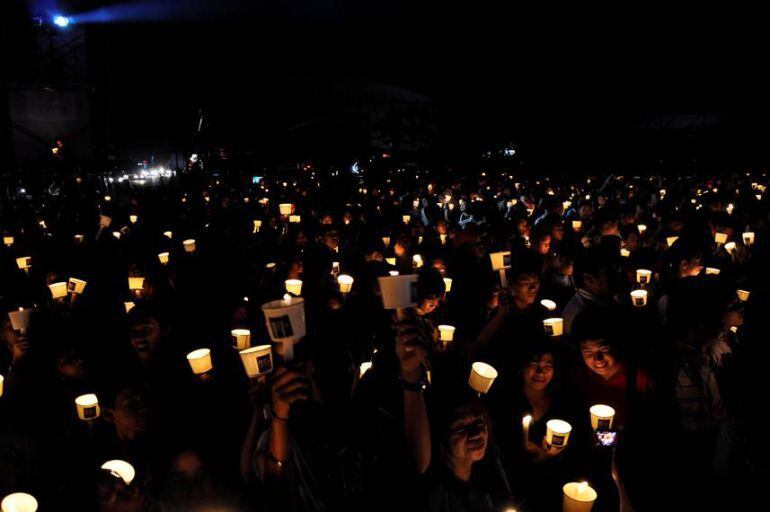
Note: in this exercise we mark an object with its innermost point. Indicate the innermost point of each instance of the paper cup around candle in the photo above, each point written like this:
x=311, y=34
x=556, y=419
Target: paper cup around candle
x=557, y=433
x=365, y=367
x=285, y=318
x=577, y=225
x=405, y=219
x=670, y=240
x=482, y=377
x=642, y=228
x=79, y=239
x=163, y=257
x=133, y=218
x=345, y=282
x=24, y=262
x=393, y=272
x=578, y=497
x=730, y=247
x=553, y=326
x=417, y=261
x=548, y=304
x=129, y=306
x=168, y=234
x=443, y=238
x=135, y=283
x=241, y=338
x=257, y=360
x=200, y=361
x=398, y=292
x=285, y=208
x=8, y=241
x=88, y=407
x=76, y=286
x=748, y=238
x=643, y=276
x=720, y=238
x=448, y=284
x=19, y=502
x=294, y=286
x=639, y=298
x=295, y=219
x=116, y=234
x=20, y=319
x=601, y=417
x=120, y=469
x=446, y=333
x=625, y=253
x=257, y=226
x=712, y=271
x=189, y=245
x=391, y=261
x=500, y=260
x=743, y=295
x=58, y=290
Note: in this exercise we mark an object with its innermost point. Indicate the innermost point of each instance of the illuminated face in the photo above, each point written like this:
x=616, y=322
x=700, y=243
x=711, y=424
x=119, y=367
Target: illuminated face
x=598, y=358
x=525, y=289
x=131, y=415
x=557, y=231
x=145, y=338
x=468, y=438
x=586, y=211
x=691, y=267
x=538, y=374
x=429, y=305
x=544, y=245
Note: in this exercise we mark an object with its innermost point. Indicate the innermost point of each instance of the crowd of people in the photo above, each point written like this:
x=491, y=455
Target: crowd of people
x=374, y=408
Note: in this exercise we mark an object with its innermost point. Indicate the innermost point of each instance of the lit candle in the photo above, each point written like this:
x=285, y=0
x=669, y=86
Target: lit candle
x=548, y=304
x=405, y=219
x=712, y=271
x=642, y=228
x=8, y=241
x=446, y=333
x=643, y=276
x=482, y=377
x=730, y=247
x=257, y=360
x=743, y=295
x=2, y=380
x=578, y=497
x=129, y=305
x=79, y=239
x=294, y=286
x=76, y=286
x=577, y=225
x=295, y=219
x=189, y=245
x=365, y=367
x=20, y=319
x=393, y=272
x=168, y=234
x=417, y=261
x=557, y=433
x=58, y=290
x=553, y=326
x=720, y=238
x=625, y=253
x=163, y=257
x=391, y=261
x=345, y=282
x=136, y=284
x=386, y=241
x=19, y=502
x=639, y=298
x=200, y=361
x=443, y=238
x=24, y=263
x=748, y=238
x=671, y=239
x=87, y=407
x=257, y=226
x=241, y=338
x=116, y=234
x=120, y=469
x=601, y=417
x=525, y=421
x=133, y=218
x=448, y=284
x=285, y=208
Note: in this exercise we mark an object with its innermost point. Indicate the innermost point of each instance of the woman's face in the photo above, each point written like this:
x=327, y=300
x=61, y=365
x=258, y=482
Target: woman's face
x=598, y=358
x=145, y=338
x=544, y=245
x=539, y=373
x=468, y=437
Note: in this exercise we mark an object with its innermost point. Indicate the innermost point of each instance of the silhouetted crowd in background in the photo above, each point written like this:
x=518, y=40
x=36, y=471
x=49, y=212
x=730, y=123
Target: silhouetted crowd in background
x=376, y=409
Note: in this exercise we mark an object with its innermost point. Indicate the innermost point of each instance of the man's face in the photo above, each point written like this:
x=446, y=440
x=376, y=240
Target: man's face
x=468, y=438
x=331, y=240
x=598, y=358
x=145, y=338
x=525, y=289
x=544, y=245
x=131, y=415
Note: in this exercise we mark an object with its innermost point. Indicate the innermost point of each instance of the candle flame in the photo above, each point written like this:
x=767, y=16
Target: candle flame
x=582, y=486
x=287, y=298
x=526, y=420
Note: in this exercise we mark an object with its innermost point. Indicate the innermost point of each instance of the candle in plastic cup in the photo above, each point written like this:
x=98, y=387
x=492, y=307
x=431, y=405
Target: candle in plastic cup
x=405, y=219
x=285, y=208
x=448, y=284
x=189, y=245
x=386, y=241
x=294, y=286
x=639, y=298
x=642, y=228
x=391, y=261
x=241, y=338
x=601, y=417
x=482, y=377
x=443, y=238
x=116, y=234
x=712, y=271
x=8, y=241
x=720, y=238
x=578, y=497
x=129, y=306
x=398, y=292
x=743, y=295
x=345, y=282
x=20, y=319
x=257, y=225
x=120, y=469
x=553, y=326
x=88, y=407
x=500, y=260
x=671, y=239
x=133, y=218
x=79, y=239
x=625, y=253
x=168, y=234
x=135, y=283
x=285, y=319
x=295, y=219
x=200, y=360
x=393, y=272
x=365, y=367
x=417, y=261
x=163, y=257
x=643, y=276
x=577, y=225
x=257, y=360
x=748, y=238
x=24, y=262
x=730, y=247
x=548, y=304
x=557, y=433
x=446, y=333
x=19, y=502
x=76, y=286
x=58, y=290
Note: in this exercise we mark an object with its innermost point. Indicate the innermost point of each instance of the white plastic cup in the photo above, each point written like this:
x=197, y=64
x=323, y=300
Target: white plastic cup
x=748, y=238
x=398, y=292
x=200, y=361
x=346, y=283
x=670, y=240
x=482, y=377
x=446, y=333
x=241, y=338
x=554, y=326
x=295, y=219
x=712, y=271
x=135, y=283
x=639, y=298
x=577, y=225
x=24, y=262
x=557, y=433
x=8, y=241
x=87, y=407
x=720, y=238
x=257, y=360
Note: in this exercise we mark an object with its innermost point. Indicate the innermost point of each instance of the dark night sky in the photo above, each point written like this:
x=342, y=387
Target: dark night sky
x=555, y=78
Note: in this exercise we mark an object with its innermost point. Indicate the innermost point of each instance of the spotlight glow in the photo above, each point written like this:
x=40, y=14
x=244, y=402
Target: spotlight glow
x=61, y=21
